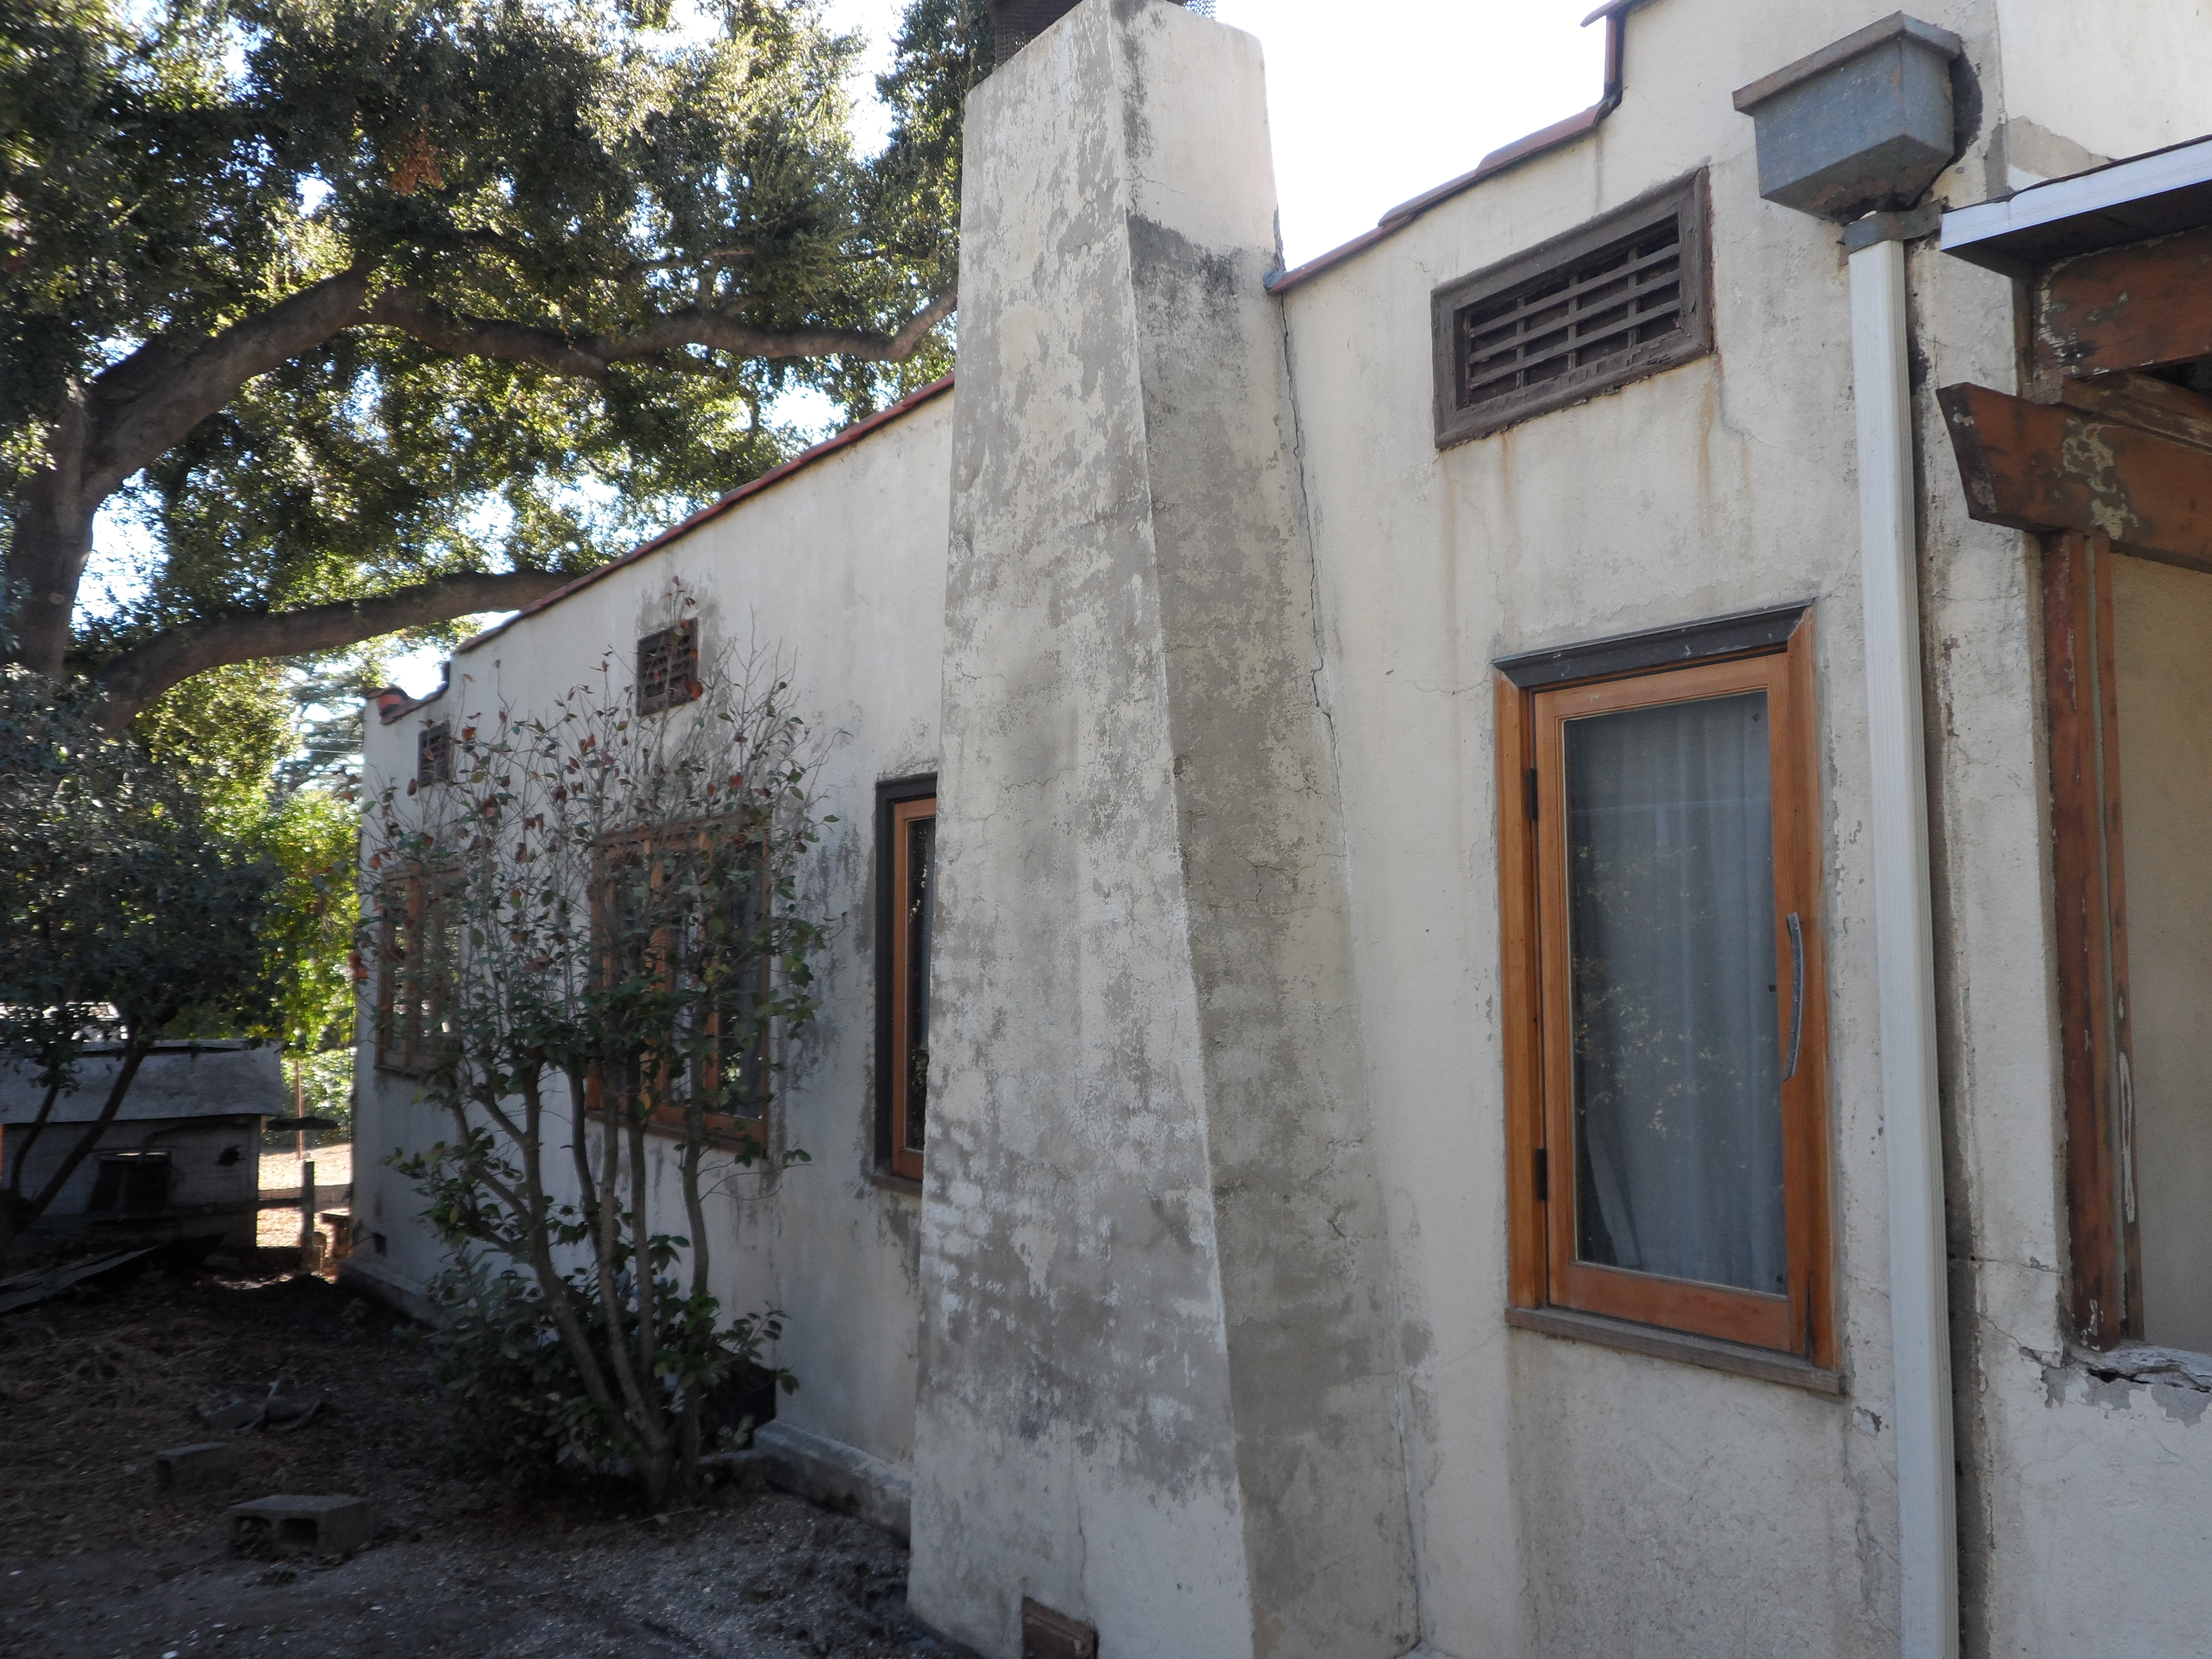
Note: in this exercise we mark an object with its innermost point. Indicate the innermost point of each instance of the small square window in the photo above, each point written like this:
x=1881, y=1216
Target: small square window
x=668, y=667
x=131, y=1183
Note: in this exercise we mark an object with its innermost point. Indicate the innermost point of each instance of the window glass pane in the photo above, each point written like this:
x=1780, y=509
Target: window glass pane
x=742, y=974
x=1677, y=1084
x=920, y=851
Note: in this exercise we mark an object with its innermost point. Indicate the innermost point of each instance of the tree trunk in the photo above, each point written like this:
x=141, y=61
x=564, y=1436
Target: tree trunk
x=52, y=540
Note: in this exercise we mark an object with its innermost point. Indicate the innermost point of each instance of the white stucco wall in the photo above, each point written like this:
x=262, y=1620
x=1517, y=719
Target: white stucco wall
x=841, y=567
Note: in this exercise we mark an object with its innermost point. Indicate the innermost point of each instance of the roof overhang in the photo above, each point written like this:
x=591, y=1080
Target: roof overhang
x=2129, y=201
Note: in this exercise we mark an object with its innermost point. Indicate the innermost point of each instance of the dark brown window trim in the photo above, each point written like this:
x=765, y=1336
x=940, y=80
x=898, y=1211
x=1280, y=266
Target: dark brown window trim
x=726, y=1131
x=1686, y=200
x=2088, y=862
x=749, y=1140
x=1655, y=647
x=1655, y=1343
x=889, y=794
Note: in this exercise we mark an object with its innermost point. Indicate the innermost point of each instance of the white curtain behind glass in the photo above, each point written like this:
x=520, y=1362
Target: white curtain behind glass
x=1677, y=1087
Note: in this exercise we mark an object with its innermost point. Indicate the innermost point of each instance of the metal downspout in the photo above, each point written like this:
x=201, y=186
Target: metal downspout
x=1905, y=955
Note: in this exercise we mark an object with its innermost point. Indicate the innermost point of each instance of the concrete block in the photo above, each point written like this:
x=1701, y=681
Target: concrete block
x=226, y=1412
x=837, y=1476
x=182, y=1468
x=302, y=1526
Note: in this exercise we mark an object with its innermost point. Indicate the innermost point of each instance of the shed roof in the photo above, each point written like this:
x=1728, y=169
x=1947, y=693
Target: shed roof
x=177, y=1080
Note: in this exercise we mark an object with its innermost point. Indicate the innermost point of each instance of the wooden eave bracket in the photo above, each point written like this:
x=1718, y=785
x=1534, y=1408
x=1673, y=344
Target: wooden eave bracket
x=2049, y=467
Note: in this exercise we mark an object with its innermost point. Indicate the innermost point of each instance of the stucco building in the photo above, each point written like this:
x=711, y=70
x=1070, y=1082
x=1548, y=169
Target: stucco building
x=1546, y=1034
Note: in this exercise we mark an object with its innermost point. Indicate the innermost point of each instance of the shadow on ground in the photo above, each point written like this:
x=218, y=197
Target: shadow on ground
x=95, y=1561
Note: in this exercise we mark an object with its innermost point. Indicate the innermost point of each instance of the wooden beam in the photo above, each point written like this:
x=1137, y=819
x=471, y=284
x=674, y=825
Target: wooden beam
x=2144, y=401
x=2043, y=467
x=2129, y=308
x=2091, y=940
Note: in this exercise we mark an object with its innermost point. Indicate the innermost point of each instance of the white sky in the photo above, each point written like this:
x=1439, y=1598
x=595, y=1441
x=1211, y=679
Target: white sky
x=1368, y=104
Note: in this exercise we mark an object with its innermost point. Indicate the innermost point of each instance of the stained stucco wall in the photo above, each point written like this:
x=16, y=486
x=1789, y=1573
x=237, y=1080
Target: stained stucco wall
x=1572, y=1500
x=841, y=568
x=2078, y=85
x=1156, y=1388
x=2083, y=1500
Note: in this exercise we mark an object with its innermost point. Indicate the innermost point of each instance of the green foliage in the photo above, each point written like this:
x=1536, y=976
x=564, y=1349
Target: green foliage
x=326, y=1091
x=126, y=906
x=129, y=913
x=225, y=731
x=520, y=1409
x=313, y=838
x=605, y=908
x=172, y=169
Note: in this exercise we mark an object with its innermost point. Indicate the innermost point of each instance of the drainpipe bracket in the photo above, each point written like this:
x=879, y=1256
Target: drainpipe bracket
x=1889, y=226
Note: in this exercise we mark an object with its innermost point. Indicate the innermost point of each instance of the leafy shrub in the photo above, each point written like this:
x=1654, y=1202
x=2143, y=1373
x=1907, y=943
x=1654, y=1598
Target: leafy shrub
x=521, y=1410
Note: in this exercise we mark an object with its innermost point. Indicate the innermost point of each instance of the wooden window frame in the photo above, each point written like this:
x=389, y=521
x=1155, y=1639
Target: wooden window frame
x=2105, y=459
x=1790, y=1339
x=898, y=804
x=2088, y=868
x=728, y=1131
x=1685, y=200
x=410, y=989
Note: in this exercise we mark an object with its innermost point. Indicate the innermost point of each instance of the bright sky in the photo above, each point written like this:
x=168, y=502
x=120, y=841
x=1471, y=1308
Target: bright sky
x=1374, y=102
x=1368, y=104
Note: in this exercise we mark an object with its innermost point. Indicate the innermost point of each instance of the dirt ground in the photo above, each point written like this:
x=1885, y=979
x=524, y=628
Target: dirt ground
x=95, y=1561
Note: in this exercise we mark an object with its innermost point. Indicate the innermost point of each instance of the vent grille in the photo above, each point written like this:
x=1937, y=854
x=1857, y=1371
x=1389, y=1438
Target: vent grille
x=1624, y=296
x=433, y=754
x=1587, y=317
x=668, y=667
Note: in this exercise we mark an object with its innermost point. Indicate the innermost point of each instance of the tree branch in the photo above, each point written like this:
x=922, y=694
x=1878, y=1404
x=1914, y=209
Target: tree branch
x=460, y=336
x=590, y=354
x=152, y=399
x=143, y=672
x=158, y=394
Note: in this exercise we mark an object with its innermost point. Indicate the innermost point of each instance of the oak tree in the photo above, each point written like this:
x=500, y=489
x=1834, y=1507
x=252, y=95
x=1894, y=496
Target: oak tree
x=379, y=313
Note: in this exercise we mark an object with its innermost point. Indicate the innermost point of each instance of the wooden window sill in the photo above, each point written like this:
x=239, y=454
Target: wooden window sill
x=717, y=1138
x=905, y=1186
x=1656, y=1344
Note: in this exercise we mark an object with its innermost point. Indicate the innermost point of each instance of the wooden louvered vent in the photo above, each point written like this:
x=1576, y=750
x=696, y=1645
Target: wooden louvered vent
x=1623, y=297
x=668, y=667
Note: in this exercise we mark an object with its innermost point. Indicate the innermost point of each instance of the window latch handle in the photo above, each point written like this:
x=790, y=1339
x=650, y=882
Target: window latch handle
x=1796, y=994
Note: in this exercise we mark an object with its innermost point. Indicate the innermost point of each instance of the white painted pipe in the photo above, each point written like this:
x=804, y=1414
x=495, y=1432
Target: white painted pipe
x=1905, y=958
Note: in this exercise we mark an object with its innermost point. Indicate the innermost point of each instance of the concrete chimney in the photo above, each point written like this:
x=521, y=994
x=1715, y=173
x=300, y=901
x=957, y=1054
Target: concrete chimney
x=1157, y=1376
